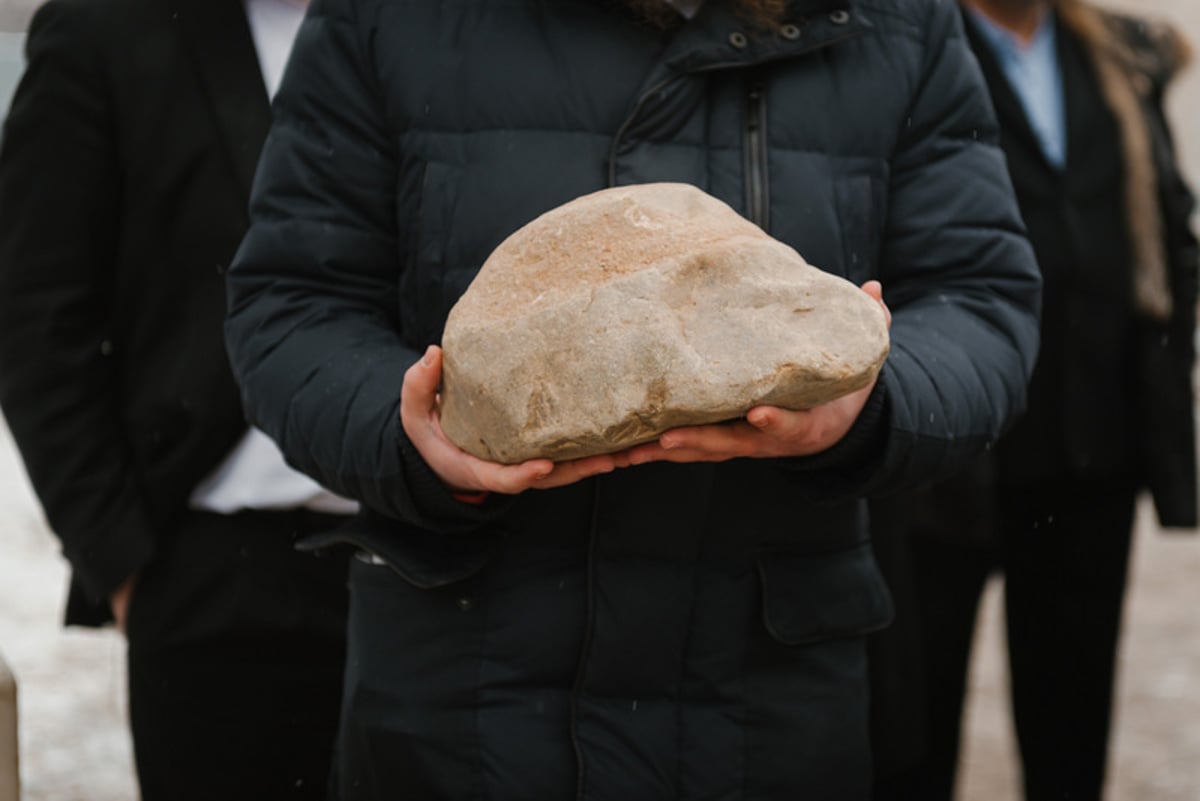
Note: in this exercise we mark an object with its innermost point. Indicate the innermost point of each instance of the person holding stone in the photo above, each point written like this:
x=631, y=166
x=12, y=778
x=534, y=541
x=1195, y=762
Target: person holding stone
x=683, y=618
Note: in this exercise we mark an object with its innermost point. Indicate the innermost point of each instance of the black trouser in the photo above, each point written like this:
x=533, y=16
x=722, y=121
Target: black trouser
x=1064, y=554
x=236, y=650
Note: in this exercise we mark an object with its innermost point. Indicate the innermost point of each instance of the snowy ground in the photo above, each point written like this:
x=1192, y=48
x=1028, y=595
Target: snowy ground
x=1156, y=747
x=70, y=683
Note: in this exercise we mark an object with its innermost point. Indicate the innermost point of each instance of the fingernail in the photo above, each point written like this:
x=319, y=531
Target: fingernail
x=427, y=359
x=758, y=421
x=668, y=444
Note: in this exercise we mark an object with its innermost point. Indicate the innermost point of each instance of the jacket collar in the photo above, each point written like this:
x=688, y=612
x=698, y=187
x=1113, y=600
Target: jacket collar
x=218, y=36
x=716, y=37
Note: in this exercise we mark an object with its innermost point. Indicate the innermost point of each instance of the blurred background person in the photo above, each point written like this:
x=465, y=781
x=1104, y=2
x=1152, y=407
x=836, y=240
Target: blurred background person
x=1079, y=95
x=125, y=169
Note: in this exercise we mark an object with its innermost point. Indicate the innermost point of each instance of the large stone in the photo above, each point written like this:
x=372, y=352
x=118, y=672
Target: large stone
x=626, y=312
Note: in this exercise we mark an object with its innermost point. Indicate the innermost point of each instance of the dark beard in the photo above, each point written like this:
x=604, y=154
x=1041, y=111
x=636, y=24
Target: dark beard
x=660, y=14
x=767, y=14
x=657, y=13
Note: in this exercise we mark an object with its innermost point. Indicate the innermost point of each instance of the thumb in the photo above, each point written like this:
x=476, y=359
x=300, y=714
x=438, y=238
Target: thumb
x=875, y=290
x=422, y=379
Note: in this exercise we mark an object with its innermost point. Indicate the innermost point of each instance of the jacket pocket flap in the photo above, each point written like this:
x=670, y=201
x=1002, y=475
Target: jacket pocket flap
x=808, y=598
x=425, y=559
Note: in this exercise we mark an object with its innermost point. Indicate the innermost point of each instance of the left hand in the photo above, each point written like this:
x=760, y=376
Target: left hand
x=766, y=431
x=119, y=601
x=420, y=415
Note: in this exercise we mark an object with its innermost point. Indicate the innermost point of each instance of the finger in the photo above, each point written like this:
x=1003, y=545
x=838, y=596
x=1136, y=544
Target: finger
x=511, y=479
x=685, y=455
x=779, y=423
x=464, y=473
x=421, y=380
x=646, y=453
x=419, y=400
x=764, y=418
x=875, y=290
x=578, y=469
x=708, y=443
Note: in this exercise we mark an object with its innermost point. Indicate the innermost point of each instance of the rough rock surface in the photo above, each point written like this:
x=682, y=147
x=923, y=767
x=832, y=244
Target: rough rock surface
x=633, y=310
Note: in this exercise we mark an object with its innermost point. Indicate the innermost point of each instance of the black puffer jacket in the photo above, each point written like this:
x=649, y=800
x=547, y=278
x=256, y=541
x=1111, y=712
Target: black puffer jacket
x=411, y=137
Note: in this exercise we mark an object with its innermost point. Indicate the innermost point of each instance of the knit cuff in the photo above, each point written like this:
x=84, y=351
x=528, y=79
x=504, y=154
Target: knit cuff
x=436, y=506
x=863, y=445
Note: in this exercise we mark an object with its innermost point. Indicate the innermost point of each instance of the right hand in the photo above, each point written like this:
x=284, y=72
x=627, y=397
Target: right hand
x=766, y=431
x=119, y=601
x=462, y=472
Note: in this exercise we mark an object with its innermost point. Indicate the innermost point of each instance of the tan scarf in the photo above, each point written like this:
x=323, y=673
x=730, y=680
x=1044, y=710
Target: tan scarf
x=1127, y=77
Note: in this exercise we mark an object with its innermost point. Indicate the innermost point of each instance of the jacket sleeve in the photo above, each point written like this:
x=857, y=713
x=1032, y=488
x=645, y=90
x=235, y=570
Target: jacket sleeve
x=314, y=331
x=59, y=177
x=959, y=276
x=1168, y=358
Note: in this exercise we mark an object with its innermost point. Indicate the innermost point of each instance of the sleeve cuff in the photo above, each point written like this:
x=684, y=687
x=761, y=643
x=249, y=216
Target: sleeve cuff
x=436, y=506
x=100, y=567
x=861, y=448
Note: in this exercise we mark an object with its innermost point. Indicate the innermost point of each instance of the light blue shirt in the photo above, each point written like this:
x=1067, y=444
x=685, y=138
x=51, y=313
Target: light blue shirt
x=1033, y=73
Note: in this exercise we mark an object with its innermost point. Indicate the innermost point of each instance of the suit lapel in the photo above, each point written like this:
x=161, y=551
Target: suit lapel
x=1004, y=98
x=219, y=40
x=1072, y=62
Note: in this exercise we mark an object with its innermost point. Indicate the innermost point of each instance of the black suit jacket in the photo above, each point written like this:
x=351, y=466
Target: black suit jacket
x=125, y=168
x=1079, y=230
x=1094, y=343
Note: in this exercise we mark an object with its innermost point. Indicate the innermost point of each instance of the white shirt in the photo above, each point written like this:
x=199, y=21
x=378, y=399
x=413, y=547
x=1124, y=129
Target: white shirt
x=254, y=475
x=273, y=24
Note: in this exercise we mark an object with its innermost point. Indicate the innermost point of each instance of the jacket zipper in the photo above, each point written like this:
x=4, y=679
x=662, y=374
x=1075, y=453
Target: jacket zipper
x=754, y=149
x=662, y=85
x=585, y=651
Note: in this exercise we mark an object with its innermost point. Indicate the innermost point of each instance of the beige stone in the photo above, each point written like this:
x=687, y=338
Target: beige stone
x=633, y=310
